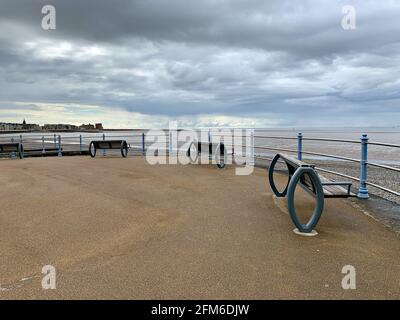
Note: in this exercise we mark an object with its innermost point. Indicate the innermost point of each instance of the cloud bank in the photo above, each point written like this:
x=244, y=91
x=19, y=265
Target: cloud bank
x=251, y=63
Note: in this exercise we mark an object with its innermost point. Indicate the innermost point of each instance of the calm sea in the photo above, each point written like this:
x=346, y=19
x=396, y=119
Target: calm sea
x=379, y=154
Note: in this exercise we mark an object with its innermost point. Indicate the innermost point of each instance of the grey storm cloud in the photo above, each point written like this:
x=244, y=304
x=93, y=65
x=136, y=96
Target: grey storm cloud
x=288, y=61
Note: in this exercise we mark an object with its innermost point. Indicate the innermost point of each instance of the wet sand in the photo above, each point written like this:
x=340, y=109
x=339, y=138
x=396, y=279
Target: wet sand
x=121, y=228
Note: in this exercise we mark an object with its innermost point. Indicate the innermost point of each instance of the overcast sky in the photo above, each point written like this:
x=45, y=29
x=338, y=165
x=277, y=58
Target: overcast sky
x=253, y=63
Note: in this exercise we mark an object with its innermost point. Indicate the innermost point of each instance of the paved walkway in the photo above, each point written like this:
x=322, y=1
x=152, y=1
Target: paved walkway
x=120, y=228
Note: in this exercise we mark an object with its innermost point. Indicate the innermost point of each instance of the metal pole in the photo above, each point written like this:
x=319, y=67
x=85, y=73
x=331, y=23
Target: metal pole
x=143, y=144
x=300, y=146
x=169, y=144
x=12, y=155
x=80, y=143
x=104, y=150
x=59, y=146
x=252, y=158
x=363, y=190
x=43, y=147
x=55, y=141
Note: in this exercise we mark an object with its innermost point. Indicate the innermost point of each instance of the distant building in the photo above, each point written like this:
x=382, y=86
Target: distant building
x=19, y=126
x=87, y=127
x=30, y=126
x=50, y=127
x=47, y=127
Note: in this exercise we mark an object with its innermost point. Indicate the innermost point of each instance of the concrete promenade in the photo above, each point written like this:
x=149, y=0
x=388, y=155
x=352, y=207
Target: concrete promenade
x=121, y=228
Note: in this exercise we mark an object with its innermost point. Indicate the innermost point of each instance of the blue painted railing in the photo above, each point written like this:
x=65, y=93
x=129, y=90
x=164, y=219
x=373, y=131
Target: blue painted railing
x=137, y=141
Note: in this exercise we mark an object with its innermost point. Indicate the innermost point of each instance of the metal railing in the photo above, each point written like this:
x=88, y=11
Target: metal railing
x=363, y=161
x=70, y=143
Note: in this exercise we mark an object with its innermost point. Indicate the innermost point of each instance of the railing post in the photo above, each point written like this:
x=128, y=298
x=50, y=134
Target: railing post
x=43, y=146
x=12, y=154
x=252, y=157
x=300, y=146
x=170, y=144
x=143, y=145
x=55, y=141
x=59, y=146
x=363, y=190
x=104, y=150
x=80, y=144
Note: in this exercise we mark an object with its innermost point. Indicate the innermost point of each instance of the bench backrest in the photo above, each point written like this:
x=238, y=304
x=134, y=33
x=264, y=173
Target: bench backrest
x=211, y=148
x=9, y=147
x=108, y=144
x=293, y=164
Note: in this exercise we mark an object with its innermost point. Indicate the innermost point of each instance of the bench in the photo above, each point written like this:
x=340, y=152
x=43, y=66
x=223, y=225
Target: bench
x=216, y=150
x=44, y=151
x=318, y=186
x=12, y=149
x=107, y=145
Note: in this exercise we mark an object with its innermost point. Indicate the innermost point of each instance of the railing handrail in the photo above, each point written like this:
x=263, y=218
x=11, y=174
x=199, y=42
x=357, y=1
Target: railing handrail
x=383, y=144
x=310, y=153
x=364, y=142
x=134, y=136
x=308, y=139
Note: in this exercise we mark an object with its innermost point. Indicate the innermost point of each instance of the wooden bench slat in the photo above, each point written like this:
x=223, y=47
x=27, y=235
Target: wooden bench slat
x=294, y=161
x=330, y=189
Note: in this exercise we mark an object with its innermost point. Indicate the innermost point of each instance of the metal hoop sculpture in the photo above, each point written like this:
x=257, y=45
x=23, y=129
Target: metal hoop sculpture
x=319, y=195
x=189, y=152
x=220, y=151
x=92, y=150
x=124, y=149
x=271, y=178
x=21, y=151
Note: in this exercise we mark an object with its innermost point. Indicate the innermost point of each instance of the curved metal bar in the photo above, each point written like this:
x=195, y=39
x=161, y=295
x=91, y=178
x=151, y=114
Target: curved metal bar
x=262, y=157
x=330, y=156
x=92, y=150
x=383, y=166
x=21, y=151
x=189, y=153
x=310, y=153
x=337, y=174
x=271, y=178
x=383, y=188
x=220, y=149
x=319, y=193
x=274, y=137
x=275, y=149
x=309, y=139
x=124, y=149
x=382, y=144
x=332, y=140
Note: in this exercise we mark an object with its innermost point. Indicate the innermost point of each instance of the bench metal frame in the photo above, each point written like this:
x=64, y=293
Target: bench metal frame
x=307, y=177
x=219, y=154
x=108, y=145
x=12, y=148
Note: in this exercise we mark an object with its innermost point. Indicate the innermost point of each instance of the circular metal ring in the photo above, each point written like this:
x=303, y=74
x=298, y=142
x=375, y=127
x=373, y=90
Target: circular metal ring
x=92, y=150
x=271, y=178
x=124, y=149
x=21, y=151
x=190, y=154
x=319, y=193
x=218, y=150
